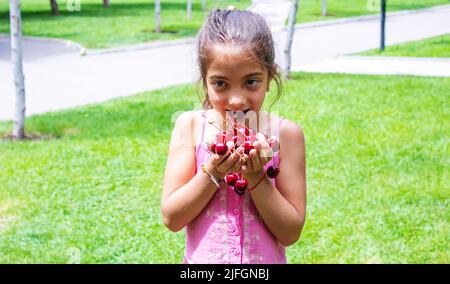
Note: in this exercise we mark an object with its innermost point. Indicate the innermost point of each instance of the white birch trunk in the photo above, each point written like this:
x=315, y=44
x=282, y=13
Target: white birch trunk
x=158, y=15
x=16, y=58
x=324, y=8
x=189, y=9
x=204, y=8
x=290, y=36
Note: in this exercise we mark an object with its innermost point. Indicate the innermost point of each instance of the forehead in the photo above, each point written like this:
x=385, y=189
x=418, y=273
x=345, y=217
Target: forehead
x=231, y=61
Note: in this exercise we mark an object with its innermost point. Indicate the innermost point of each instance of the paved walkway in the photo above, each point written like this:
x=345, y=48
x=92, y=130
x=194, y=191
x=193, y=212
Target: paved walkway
x=67, y=79
x=381, y=65
x=275, y=11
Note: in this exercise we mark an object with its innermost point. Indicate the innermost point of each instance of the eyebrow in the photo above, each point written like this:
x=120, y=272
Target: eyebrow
x=223, y=77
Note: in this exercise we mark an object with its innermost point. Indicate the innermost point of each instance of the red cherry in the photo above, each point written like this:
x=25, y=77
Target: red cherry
x=231, y=178
x=212, y=148
x=272, y=172
x=221, y=148
x=240, y=186
x=248, y=147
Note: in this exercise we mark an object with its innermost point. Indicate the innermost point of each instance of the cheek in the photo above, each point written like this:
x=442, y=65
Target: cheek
x=214, y=97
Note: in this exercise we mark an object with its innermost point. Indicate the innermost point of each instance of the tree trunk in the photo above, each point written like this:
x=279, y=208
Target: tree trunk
x=383, y=24
x=189, y=9
x=106, y=3
x=55, y=9
x=158, y=15
x=324, y=8
x=290, y=36
x=204, y=8
x=16, y=58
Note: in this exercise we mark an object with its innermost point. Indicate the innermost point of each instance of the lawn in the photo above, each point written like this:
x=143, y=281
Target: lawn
x=432, y=47
x=311, y=10
x=133, y=21
x=377, y=170
x=124, y=22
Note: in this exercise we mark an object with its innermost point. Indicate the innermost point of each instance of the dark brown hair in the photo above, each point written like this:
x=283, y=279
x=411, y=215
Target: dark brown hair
x=237, y=27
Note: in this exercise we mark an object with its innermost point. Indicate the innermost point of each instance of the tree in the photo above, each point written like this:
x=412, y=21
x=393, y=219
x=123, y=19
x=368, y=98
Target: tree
x=204, y=8
x=383, y=22
x=158, y=15
x=106, y=3
x=16, y=58
x=290, y=36
x=324, y=8
x=189, y=9
x=54, y=5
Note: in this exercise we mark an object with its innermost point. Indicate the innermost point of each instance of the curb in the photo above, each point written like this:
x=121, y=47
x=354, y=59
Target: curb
x=141, y=46
x=64, y=42
x=399, y=58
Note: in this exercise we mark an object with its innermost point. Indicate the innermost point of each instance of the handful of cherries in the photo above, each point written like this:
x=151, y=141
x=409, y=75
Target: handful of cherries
x=245, y=137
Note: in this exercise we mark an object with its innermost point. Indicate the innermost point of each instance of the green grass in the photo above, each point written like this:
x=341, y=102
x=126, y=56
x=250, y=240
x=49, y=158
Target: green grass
x=311, y=10
x=377, y=170
x=433, y=47
x=124, y=22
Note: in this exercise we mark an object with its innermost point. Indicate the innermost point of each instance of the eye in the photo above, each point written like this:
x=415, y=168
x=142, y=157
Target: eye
x=219, y=84
x=252, y=82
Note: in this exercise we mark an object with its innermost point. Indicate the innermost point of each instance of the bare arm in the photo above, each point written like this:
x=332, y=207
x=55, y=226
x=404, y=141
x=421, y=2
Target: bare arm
x=185, y=193
x=283, y=209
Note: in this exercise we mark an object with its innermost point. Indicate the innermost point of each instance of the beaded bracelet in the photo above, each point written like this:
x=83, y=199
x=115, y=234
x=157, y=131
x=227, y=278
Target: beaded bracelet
x=216, y=180
x=260, y=180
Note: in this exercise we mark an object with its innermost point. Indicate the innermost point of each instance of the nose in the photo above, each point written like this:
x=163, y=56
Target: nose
x=236, y=102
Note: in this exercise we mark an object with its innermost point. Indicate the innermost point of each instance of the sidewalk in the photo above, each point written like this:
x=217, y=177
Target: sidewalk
x=275, y=11
x=67, y=79
x=381, y=65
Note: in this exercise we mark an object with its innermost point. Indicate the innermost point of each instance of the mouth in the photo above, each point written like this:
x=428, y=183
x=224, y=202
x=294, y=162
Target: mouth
x=244, y=111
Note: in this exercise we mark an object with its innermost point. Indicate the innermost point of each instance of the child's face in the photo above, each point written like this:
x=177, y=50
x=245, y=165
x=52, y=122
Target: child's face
x=234, y=81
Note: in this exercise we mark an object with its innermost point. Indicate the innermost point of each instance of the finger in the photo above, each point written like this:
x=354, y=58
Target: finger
x=231, y=161
x=249, y=163
x=255, y=160
x=265, y=151
x=235, y=167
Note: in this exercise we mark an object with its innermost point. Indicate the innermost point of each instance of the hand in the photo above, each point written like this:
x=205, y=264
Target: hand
x=256, y=160
x=230, y=162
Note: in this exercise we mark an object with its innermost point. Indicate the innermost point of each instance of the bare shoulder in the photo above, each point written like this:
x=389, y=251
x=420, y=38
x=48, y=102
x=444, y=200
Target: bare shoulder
x=186, y=126
x=292, y=142
x=291, y=132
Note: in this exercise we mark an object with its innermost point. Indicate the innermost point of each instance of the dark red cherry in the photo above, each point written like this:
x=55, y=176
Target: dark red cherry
x=248, y=147
x=231, y=178
x=241, y=186
x=272, y=171
x=221, y=149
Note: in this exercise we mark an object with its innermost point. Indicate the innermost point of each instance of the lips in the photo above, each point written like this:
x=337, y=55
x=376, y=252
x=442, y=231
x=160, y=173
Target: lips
x=244, y=111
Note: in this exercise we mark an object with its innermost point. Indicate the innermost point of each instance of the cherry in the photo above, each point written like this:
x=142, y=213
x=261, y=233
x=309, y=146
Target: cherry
x=240, y=186
x=248, y=147
x=231, y=178
x=213, y=147
x=272, y=171
x=221, y=148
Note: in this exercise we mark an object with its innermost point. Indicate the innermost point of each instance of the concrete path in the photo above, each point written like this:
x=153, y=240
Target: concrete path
x=276, y=12
x=381, y=65
x=67, y=79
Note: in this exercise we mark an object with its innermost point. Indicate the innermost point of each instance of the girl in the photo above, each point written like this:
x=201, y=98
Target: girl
x=236, y=60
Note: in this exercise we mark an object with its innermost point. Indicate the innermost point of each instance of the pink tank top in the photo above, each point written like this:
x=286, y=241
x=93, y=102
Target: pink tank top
x=229, y=229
